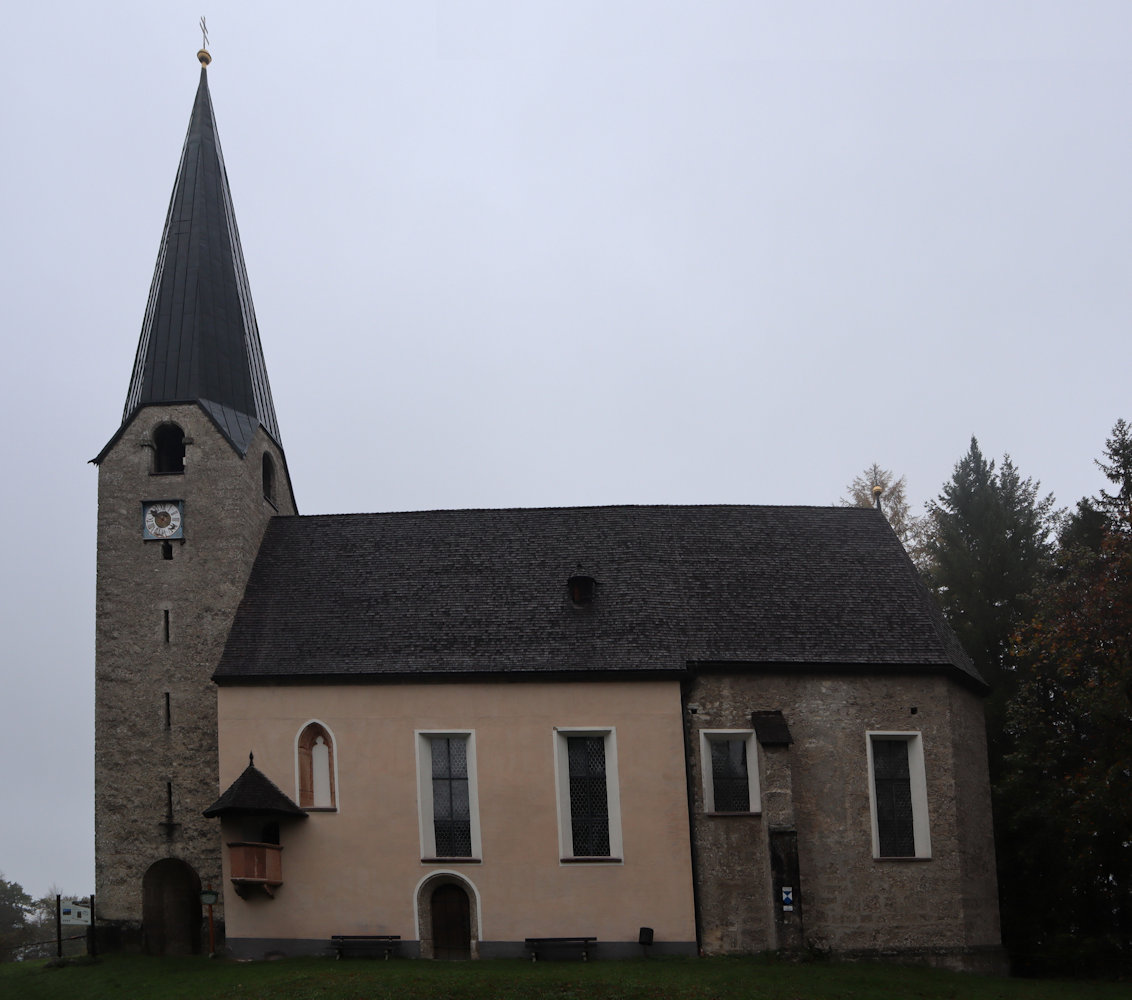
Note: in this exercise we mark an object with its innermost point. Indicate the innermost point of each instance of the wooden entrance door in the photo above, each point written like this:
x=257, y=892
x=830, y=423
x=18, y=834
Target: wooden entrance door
x=171, y=909
x=451, y=923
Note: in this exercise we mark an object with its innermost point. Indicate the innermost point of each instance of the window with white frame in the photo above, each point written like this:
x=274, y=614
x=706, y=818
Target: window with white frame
x=589, y=798
x=448, y=803
x=898, y=795
x=729, y=765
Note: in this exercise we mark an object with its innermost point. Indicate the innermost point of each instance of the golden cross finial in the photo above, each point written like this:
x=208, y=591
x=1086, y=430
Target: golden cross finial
x=203, y=55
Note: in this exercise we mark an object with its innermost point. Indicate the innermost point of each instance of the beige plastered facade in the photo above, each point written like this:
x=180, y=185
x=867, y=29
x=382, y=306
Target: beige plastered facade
x=360, y=869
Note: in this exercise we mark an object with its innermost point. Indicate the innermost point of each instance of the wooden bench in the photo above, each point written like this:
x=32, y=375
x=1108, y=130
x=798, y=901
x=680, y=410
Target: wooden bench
x=364, y=945
x=551, y=943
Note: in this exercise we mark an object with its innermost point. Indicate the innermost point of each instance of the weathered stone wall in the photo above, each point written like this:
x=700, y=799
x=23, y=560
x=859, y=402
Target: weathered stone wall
x=138, y=751
x=732, y=872
x=974, y=817
x=847, y=901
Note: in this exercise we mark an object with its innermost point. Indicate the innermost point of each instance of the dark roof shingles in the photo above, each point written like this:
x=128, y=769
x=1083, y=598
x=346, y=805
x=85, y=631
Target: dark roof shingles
x=253, y=793
x=484, y=591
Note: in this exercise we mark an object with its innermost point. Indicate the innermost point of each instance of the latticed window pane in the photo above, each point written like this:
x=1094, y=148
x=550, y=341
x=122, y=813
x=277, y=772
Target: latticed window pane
x=892, y=786
x=729, y=775
x=451, y=809
x=589, y=805
x=453, y=840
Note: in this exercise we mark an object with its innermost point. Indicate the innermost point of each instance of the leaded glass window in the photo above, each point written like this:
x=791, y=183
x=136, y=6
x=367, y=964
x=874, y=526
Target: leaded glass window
x=451, y=804
x=729, y=775
x=892, y=786
x=589, y=802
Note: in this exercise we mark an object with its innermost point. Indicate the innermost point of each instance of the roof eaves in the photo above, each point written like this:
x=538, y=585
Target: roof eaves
x=944, y=667
x=479, y=675
x=97, y=460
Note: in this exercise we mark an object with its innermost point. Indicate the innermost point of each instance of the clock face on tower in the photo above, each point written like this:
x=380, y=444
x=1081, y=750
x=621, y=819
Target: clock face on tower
x=162, y=519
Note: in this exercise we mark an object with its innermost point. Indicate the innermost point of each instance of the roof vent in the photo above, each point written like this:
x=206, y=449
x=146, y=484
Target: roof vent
x=581, y=590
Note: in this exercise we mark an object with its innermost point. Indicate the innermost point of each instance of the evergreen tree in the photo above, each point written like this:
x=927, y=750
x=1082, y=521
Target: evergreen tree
x=16, y=908
x=1117, y=467
x=1085, y=527
x=1064, y=800
x=987, y=546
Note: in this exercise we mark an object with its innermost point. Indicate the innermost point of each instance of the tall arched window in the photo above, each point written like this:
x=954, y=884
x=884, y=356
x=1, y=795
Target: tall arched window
x=316, y=768
x=168, y=449
x=268, y=477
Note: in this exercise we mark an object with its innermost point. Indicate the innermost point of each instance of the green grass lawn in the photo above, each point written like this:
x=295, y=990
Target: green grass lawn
x=138, y=978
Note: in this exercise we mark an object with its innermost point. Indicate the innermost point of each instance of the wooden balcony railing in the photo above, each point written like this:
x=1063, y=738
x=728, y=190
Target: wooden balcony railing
x=256, y=865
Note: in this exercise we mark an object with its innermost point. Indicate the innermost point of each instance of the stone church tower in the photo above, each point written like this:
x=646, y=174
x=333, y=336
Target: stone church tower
x=186, y=487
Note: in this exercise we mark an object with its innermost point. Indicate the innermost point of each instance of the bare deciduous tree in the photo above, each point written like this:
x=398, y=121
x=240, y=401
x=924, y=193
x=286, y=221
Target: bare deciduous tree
x=893, y=502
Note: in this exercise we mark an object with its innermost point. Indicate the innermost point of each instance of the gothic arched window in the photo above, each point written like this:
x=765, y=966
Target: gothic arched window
x=168, y=449
x=316, y=768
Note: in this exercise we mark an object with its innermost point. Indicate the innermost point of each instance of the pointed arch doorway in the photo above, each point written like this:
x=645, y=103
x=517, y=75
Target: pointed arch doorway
x=171, y=914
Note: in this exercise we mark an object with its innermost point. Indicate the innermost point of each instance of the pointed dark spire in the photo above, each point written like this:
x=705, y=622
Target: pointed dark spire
x=199, y=340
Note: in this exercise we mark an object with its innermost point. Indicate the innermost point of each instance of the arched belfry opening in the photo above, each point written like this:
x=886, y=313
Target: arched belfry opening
x=168, y=449
x=171, y=914
x=448, y=917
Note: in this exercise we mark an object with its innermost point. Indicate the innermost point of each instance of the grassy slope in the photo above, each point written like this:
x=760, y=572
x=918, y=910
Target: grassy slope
x=136, y=978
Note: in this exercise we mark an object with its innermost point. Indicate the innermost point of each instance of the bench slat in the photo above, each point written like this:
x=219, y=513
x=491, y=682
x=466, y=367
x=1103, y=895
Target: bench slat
x=554, y=942
x=364, y=944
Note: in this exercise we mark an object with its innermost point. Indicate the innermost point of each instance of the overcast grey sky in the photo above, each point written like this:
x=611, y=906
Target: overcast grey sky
x=526, y=253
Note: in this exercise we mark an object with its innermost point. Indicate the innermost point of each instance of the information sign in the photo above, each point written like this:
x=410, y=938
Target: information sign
x=72, y=912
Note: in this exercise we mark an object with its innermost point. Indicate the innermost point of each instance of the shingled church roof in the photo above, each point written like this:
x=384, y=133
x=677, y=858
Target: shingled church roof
x=199, y=340
x=445, y=594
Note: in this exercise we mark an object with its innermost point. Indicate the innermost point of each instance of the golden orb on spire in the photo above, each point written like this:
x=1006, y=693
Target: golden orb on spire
x=204, y=57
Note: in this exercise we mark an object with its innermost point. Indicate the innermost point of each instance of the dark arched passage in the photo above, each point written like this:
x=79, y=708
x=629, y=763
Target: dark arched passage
x=171, y=914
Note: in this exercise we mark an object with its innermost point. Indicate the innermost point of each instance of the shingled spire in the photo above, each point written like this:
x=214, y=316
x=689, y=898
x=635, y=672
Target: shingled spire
x=199, y=340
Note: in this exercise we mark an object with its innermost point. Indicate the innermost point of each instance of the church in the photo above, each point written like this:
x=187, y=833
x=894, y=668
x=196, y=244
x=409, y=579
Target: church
x=599, y=731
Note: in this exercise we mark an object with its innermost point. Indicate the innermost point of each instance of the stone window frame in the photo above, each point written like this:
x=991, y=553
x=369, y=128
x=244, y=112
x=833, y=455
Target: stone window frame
x=425, y=817
x=303, y=765
x=918, y=787
x=562, y=795
x=707, y=784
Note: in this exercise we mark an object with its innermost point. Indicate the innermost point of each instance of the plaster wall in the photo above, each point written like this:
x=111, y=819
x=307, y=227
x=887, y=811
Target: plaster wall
x=357, y=870
x=139, y=750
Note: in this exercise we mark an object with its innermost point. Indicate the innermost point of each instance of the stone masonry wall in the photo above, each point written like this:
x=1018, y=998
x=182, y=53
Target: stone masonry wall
x=847, y=901
x=139, y=750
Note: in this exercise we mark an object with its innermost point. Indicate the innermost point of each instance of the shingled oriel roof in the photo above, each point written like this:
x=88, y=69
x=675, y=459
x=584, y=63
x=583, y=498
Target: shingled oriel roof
x=484, y=592
x=253, y=793
x=199, y=340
